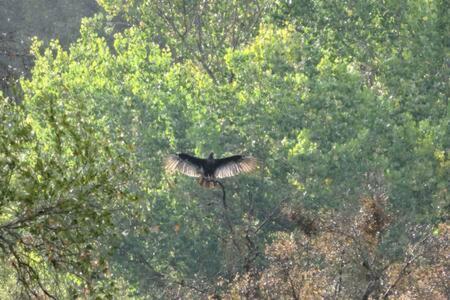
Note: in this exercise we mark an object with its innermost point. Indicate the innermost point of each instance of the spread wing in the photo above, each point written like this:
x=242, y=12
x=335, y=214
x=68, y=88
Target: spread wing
x=233, y=165
x=185, y=163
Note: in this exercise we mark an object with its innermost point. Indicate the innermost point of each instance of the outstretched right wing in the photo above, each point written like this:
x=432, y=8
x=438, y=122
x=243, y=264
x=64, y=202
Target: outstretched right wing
x=233, y=165
x=187, y=164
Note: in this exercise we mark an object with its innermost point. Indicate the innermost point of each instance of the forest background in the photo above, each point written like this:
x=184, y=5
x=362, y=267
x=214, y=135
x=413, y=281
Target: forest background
x=344, y=103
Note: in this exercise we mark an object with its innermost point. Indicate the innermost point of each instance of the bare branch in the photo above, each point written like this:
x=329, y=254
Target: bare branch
x=414, y=256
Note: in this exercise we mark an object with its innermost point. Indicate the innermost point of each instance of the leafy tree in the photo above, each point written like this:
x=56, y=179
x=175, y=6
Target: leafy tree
x=61, y=180
x=330, y=105
x=200, y=31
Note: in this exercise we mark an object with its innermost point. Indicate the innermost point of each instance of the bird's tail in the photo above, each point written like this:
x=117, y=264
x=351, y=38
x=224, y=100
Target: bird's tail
x=207, y=183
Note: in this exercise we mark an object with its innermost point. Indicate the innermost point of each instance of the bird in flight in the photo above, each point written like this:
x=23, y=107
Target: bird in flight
x=209, y=169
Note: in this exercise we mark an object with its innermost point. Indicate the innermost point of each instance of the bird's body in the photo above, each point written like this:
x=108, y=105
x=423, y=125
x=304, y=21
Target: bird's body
x=209, y=169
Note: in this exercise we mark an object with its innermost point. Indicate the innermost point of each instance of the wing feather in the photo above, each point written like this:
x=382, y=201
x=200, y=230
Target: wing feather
x=184, y=163
x=233, y=165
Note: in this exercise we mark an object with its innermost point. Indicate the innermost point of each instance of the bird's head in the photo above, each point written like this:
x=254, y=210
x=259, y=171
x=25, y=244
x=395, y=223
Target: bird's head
x=211, y=155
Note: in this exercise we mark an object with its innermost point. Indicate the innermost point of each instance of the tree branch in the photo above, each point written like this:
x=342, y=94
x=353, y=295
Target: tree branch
x=406, y=265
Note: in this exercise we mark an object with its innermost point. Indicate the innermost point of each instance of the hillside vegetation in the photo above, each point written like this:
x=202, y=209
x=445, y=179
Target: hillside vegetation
x=344, y=103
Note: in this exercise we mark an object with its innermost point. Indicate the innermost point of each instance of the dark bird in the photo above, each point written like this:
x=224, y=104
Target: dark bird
x=209, y=169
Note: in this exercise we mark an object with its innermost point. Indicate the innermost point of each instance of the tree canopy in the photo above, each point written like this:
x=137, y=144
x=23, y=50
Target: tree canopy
x=345, y=105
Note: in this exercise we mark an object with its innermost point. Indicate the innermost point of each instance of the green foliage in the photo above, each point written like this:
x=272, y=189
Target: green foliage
x=335, y=99
x=61, y=180
x=21, y=20
x=194, y=30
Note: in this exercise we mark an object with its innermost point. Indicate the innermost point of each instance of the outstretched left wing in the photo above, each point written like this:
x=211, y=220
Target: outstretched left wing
x=187, y=164
x=233, y=165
